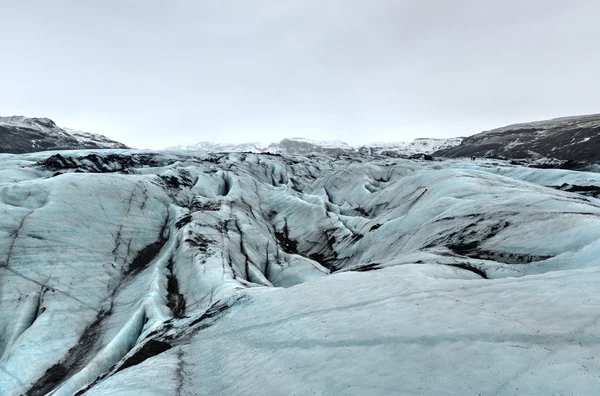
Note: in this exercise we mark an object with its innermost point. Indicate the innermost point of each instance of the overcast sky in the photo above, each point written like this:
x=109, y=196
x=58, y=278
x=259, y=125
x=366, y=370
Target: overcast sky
x=156, y=73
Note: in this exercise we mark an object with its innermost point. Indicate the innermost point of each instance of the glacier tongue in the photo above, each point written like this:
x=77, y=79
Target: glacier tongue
x=127, y=272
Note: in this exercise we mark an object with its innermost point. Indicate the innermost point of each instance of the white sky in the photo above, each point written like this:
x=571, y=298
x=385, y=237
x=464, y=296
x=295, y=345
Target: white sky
x=156, y=73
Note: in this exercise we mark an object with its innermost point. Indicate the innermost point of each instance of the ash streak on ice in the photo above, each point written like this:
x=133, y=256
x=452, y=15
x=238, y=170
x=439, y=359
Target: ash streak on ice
x=134, y=272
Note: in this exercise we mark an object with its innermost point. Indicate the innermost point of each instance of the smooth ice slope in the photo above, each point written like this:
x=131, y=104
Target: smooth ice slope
x=157, y=273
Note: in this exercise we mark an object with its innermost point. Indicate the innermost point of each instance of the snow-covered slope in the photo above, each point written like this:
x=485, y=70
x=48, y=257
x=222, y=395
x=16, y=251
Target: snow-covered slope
x=286, y=146
x=24, y=135
x=176, y=273
x=301, y=146
x=211, y=147
x=418, y=146
x=327, y=144
x=88, y=140
x=570, y=138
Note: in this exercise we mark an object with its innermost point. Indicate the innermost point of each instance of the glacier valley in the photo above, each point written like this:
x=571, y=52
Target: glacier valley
x=127, y=272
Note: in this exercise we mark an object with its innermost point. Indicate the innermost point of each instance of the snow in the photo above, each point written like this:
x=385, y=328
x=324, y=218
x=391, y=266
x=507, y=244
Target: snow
x=258, y=274
x=421, y=145
x=543, y=126
x=87, y=138
x=253, y=147
x=40, y=124
x=336, y=144
x=39, y=134
x=418, y=146
x=566, y=139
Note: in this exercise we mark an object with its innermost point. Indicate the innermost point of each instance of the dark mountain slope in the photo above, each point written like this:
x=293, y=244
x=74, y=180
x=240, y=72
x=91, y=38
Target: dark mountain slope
x=25, y=135
x=571, y=138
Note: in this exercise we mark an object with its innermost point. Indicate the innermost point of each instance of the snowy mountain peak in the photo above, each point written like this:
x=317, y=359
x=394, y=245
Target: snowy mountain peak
x=332, y=144
x=417, y=146
x=303, y=146
x=90, y=139
x=308, y=146
x=39, y=124
x=26, y=121
x=20, y=134
x=253, y=147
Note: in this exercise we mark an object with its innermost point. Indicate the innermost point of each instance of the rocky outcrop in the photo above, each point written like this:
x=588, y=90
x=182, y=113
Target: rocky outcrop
x=572, y=138
x=26, y=135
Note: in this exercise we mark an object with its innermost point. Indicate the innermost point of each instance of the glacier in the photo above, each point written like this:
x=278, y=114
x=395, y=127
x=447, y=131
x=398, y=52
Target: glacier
x=128, y=272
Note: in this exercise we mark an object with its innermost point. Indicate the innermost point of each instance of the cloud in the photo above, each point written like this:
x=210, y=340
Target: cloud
x=156, y=73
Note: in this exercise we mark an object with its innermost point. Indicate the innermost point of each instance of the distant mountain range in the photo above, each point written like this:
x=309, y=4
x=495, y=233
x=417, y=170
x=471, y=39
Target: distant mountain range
x=565, y=139
x=301, y=146
x=24, y=135
x=570, y=138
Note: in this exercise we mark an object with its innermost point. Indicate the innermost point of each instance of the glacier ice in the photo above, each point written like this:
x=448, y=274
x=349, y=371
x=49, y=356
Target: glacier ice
x=157, y=273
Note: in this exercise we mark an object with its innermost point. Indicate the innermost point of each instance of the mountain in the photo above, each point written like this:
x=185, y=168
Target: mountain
x=301, y=146
x=308, y=146
x=286, y=146
x=418, y=146
x=181, y=273
x=88, y=140
x=24, y=135
x=211, y=147
x=570, y=138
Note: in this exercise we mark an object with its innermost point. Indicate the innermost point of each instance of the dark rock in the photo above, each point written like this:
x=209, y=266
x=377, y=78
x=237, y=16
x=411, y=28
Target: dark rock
x=26, y=135
x=572, y=139
x=148, y=350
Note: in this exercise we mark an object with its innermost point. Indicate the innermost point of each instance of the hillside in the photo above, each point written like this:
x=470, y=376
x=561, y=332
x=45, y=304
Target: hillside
x=571, y=138
x=25, y=135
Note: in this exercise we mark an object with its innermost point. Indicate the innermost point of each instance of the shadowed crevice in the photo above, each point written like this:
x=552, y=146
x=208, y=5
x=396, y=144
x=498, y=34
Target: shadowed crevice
x=148, y=350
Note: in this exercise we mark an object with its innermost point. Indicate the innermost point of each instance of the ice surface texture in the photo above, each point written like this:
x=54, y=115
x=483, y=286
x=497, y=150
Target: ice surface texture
x=158, y=273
